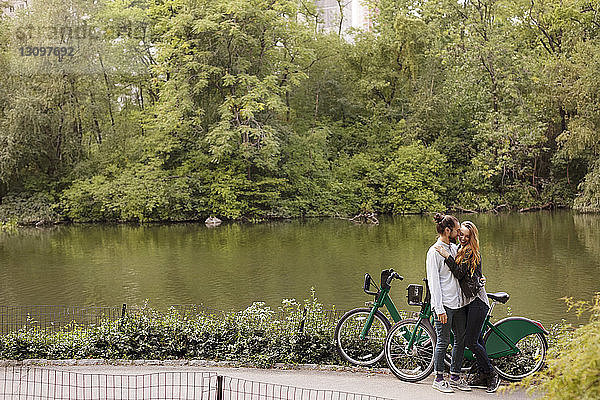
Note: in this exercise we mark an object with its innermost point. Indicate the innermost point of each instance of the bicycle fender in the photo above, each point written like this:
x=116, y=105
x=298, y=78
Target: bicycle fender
x=428, y=323
x=514, y=328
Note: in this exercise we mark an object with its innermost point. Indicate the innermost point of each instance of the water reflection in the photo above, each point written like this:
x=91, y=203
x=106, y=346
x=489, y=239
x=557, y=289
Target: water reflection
x=538, y=258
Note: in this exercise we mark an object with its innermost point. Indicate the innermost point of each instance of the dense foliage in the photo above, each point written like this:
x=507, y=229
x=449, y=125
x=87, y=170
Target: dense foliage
x=258, y=335
x=295, y=333
x=180, y=109
x=573, y=367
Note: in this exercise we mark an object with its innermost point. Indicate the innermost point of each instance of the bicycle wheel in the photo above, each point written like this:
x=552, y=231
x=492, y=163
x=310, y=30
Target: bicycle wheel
x=351, y=347
x=530, y=359
x=417, y=363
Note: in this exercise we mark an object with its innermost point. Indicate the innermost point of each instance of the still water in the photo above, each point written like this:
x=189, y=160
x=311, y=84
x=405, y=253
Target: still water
x=537, y=258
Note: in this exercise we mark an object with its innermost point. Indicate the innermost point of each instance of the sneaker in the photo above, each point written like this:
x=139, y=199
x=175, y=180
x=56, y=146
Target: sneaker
x=493, y=382
x=478, y=380
x=460, y=384
x=442, y=386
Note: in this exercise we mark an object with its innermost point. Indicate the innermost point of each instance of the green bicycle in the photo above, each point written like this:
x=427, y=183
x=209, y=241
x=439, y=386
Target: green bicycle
x=517, y=346
x=360, y=334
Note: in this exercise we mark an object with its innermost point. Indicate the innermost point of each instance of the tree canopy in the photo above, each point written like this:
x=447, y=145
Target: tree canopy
x=175, y=110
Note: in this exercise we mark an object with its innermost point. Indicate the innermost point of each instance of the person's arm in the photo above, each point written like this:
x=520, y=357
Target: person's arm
x=433, y=280
x=459, y=271
x=482, y=280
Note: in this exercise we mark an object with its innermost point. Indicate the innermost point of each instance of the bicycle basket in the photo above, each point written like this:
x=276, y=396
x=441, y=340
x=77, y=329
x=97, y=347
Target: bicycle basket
x=415, y=295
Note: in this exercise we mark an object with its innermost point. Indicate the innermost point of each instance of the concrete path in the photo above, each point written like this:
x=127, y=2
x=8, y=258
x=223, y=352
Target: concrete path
x=240, y=383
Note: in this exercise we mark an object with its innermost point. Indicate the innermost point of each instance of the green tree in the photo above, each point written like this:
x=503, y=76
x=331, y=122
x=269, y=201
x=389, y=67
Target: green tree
x=413, y=181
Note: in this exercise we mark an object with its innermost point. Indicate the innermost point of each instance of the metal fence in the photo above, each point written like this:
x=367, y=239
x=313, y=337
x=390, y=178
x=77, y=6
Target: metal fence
x=41, y=383
x=55, y=318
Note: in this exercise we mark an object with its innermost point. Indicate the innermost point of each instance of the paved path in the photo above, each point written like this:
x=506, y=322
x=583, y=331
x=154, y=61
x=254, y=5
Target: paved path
x=240, y=381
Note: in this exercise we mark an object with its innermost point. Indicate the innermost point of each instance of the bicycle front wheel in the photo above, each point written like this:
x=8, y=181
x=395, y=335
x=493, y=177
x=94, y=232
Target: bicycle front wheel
x=351, y=347
x=416, y=363
x=530, y=358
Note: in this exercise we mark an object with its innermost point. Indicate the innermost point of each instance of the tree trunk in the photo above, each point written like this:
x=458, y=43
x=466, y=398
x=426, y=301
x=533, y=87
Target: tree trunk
x=95, y=119
x=108, y=95
x=316, y=106
x=534, y=168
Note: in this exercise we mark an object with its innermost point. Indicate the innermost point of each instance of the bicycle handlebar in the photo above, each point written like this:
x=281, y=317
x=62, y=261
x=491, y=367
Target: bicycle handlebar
x=393, y=275
x=387, y=276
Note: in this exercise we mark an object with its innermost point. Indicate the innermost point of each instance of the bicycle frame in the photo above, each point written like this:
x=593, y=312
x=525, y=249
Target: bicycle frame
x=382, y=299
x=487, y=325
x=425, y=314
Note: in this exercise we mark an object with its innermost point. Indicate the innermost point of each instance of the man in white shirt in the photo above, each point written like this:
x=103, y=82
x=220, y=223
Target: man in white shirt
x=446, y=303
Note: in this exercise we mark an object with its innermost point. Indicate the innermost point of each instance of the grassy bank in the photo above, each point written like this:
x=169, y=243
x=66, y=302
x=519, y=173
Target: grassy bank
x=258, y=335
x=295, y=333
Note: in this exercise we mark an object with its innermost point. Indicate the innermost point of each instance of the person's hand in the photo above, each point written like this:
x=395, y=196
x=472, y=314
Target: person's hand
x=442, y=251
x=443, y=318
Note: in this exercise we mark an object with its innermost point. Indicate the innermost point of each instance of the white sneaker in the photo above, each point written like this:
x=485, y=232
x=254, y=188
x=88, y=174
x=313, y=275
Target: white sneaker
x=442, y=386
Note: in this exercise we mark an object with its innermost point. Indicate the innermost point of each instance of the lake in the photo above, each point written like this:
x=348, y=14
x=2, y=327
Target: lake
x=537, y=258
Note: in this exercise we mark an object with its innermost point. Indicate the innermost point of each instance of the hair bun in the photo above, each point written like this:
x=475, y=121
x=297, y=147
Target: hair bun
x=438, y=217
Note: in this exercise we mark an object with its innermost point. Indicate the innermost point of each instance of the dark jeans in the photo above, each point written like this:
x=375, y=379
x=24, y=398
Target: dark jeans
x=456, y=322
x=476, y=313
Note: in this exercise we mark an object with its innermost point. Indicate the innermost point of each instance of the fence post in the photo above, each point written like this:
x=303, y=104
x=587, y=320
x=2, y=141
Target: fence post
x=220, y=387
x=301, y=327
x=123, y=313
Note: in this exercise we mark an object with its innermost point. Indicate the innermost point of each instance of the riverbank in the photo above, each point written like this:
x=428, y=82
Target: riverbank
x=43, y=210
x=298, y=333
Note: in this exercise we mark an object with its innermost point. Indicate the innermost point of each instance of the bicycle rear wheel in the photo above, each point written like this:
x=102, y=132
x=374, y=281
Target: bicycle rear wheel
x=351, y=347
x=530, y=359
x=417, y=363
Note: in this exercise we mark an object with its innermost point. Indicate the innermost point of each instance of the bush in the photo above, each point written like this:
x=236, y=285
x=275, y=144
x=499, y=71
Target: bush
x=28, y=209
x=258, y=335
x=589, y=200
x=573, y=364
x=139, y=194
x=413, y=180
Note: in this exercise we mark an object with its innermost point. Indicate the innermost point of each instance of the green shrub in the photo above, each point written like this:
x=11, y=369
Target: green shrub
x=256, y=335
x=9, y=226
x=139, y=194
x=589, y=200
x=573, y=363
x=28, y=209
x=413, y=180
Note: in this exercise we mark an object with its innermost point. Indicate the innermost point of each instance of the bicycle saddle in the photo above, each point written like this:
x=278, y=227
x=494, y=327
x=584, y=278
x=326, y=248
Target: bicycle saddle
x=501, y=297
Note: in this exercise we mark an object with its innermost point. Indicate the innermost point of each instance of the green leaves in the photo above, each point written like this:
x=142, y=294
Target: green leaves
x=256, y=335
x=572, y=370
x=142, y=193
x=242, y=109
x=589, y=201
x=413, y=181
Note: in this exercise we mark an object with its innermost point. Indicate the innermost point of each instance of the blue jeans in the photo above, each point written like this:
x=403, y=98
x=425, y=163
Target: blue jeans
x=457, y=321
